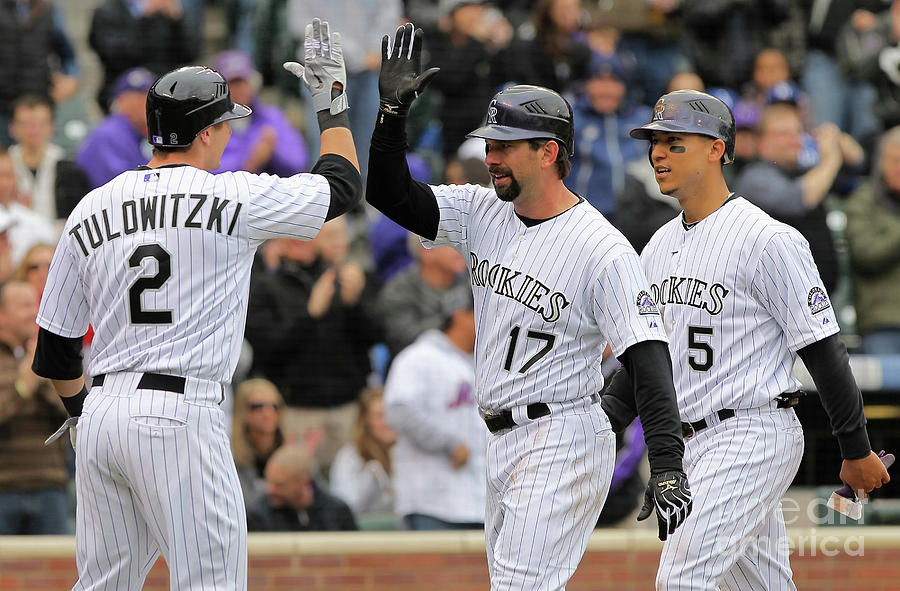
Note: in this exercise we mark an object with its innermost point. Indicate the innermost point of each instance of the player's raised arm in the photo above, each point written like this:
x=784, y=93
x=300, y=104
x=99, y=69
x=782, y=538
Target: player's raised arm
x=389, y=187
x=324, y=75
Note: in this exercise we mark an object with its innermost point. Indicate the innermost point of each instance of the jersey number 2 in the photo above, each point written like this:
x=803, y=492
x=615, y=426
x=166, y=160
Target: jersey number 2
x=163, y=271
x=704, y=361
x=548, y=339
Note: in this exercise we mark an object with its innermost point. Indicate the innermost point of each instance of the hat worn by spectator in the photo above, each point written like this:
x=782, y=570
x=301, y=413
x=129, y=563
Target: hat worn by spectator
x=726, y=95
x=447, y=7
x=602, y=65
x=133, y=80
x=746, y=115
x=235, y=65
x=784, y=92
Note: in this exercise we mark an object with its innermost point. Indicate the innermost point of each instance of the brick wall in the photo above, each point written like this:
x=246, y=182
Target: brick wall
x=834, y=559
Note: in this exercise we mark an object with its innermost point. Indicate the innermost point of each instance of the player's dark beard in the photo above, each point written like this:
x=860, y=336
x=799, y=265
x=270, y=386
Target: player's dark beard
x=511, y=191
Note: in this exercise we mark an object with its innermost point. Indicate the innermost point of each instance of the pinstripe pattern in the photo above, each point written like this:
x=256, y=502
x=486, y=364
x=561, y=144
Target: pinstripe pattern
x=547, y=481
x=154, y=474
x=154, y=469
x=735, y=535
x=548, y=299
x=578, y=255
x=768, y=272
x=739, y=294
x=210, y=280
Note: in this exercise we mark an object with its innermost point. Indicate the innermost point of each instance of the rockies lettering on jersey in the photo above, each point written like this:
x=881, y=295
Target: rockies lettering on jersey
x=526, y=290
x=149, y=213
x=691, y=292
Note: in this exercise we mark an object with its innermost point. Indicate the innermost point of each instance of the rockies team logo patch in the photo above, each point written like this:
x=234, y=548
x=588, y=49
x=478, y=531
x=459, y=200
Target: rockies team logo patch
x=817, y=300
x=646, y=305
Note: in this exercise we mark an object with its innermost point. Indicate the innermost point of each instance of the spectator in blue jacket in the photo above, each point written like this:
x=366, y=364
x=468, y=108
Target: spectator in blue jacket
x=119, y=142
x=603, y=118
x=266, y=141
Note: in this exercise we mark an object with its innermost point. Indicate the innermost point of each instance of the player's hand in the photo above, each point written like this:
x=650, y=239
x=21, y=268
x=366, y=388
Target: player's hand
x=353, y=280
x=459, y=456
x=323, y=71
x=669, y=493
x=400, y=82
x=865, y=474
x=322, y=293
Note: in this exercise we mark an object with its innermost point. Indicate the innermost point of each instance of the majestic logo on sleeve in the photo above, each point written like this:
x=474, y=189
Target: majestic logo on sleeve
x=690, y=292
x=646, y=304
x=817, y=300
x=524, y=289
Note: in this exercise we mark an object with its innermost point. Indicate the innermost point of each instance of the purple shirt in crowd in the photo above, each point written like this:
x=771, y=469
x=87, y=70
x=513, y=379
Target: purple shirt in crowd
x=290, y=155
x=113, y=147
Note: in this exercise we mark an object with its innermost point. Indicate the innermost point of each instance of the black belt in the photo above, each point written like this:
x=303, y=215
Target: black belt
x=152, y=381
x=504, y=418
x=688, y=430
x=785, y=400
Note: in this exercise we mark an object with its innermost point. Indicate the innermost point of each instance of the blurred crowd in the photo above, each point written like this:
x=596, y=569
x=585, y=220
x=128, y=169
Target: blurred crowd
x=353, y=406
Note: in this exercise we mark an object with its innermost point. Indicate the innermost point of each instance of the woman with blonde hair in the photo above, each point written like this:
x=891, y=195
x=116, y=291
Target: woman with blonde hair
x=361, y=472
x=256, y=433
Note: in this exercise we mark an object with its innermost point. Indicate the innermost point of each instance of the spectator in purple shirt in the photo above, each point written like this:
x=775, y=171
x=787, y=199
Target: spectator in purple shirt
x=265, y=141
x=118, y=143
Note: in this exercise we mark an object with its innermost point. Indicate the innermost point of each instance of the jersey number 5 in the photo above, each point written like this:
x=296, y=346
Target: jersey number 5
x=697, y=343
x=548, y=339
x=136, y=311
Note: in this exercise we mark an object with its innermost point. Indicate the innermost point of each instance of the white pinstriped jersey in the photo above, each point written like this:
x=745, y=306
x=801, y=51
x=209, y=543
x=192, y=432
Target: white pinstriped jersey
x=158, y=262
x=739, y=293
x=548, y=298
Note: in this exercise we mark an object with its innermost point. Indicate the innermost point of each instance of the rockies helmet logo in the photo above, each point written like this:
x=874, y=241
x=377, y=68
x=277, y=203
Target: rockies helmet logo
x=658, y=112
x=492, y=113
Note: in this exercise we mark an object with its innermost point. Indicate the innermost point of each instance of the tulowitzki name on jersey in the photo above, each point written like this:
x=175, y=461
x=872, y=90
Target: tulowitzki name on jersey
x=524, y=289
x=179, y=210
x=690, y=292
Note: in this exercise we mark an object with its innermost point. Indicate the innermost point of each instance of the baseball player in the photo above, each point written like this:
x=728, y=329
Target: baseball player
x=740, y=298
x=553, y=282
x=158, y=262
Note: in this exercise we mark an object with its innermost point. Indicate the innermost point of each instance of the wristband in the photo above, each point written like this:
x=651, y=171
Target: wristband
x=74, y=404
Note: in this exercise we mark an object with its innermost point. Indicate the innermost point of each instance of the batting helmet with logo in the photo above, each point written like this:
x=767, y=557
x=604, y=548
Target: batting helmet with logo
x=691, y=111
x=186, y=101
x=526, y=112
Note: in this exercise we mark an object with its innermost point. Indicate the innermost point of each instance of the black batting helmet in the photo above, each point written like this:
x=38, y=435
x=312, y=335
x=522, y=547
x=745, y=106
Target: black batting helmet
x=691, y=111
x=186, y=101
x=526, y=112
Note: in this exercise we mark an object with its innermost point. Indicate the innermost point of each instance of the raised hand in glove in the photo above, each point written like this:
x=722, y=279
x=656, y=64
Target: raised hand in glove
x=669, y=493
x=400, y=82
x=323, y=73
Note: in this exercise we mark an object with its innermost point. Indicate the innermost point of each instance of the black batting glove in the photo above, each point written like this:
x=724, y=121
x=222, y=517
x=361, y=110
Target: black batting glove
x=400, y=82
x=669, y=493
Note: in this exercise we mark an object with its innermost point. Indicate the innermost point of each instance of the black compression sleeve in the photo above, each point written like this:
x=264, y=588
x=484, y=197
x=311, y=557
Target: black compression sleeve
x=650, y=368
x=56, y=357
x=829, y=365
x=389, y=186
x=618, y=400
x=343, y=180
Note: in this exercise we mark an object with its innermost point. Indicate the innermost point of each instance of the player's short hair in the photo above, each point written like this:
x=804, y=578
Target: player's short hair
x=563, y=164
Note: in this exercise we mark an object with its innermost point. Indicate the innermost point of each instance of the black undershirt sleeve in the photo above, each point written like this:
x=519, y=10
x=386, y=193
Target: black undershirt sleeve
x=343, y=179
x=648, y=369
x=618, y=401
x=829, y=365
x=56, y=357
x=389, y=186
